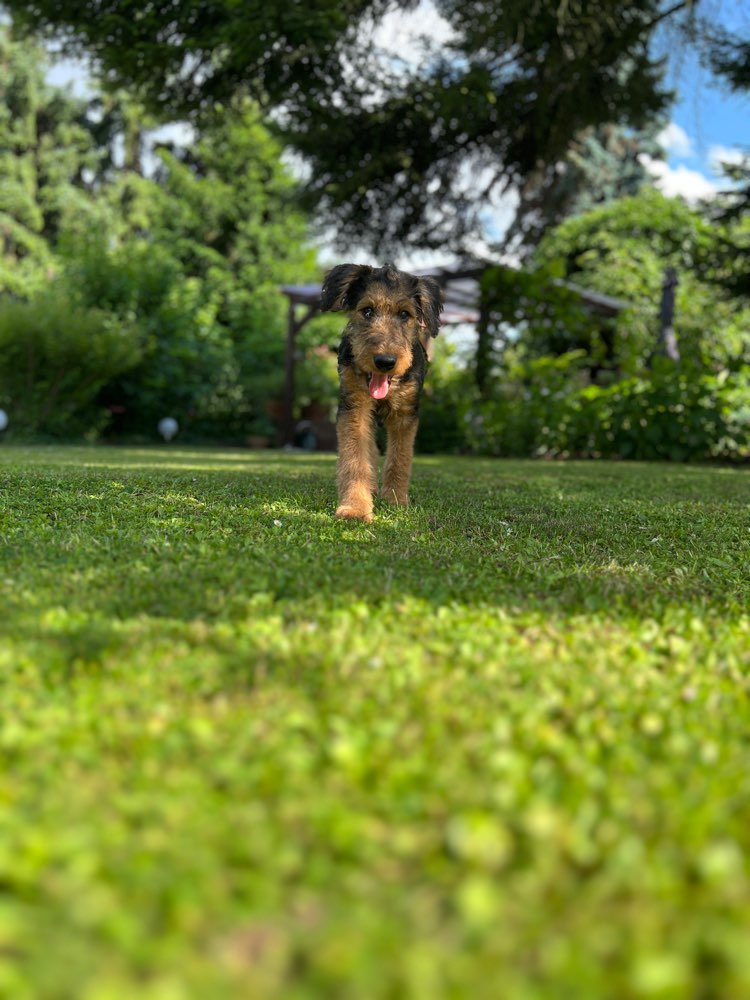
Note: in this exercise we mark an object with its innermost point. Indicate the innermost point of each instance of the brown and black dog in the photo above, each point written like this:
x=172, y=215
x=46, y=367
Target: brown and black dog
x=382, y=365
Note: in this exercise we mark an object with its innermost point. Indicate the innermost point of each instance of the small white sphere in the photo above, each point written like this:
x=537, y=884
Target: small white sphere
x=3, y=420
x=168, y=427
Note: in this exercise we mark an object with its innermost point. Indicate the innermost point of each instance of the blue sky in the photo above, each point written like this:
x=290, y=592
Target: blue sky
x=708, y=122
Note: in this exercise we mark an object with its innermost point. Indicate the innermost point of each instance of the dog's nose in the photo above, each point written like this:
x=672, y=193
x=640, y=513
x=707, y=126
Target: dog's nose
x=385, y=362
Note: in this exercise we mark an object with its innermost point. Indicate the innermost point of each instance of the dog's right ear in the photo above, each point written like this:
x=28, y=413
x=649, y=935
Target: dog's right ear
x=336, y=294
x=429, y=297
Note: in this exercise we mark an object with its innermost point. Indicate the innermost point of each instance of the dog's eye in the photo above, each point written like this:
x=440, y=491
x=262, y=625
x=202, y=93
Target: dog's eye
x=404, y=315
x=368, y=312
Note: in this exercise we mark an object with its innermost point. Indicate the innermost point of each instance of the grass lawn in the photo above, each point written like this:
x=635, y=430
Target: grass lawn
x=497, y=745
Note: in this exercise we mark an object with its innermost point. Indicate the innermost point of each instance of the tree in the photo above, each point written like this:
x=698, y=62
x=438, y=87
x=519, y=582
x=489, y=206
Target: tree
x=199, y=250
x=601, y=165
x=402, y=151
x=728, y=57
x=47, y=159
x=185, y=259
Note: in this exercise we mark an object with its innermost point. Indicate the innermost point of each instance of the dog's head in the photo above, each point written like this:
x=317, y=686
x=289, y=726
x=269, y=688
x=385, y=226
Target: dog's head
x=390, y=312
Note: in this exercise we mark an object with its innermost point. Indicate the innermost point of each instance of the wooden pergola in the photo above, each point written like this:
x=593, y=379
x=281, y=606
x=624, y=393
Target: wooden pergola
x=461, y=293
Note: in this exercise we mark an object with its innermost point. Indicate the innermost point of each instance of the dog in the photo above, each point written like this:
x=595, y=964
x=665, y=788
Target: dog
x=382, y=361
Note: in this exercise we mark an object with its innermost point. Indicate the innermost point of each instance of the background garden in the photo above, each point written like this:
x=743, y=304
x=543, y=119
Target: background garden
x=140, y=267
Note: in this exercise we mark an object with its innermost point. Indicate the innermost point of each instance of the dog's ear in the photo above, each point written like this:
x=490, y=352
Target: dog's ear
x=429, y=299
x=337, y=292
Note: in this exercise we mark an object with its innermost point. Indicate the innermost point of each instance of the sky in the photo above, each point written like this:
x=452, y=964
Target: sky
x=708, y=123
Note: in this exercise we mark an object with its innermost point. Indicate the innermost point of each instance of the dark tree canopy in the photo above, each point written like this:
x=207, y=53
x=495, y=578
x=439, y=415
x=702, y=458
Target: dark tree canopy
x=184, y=56
x=727, y=55
x=401, y=150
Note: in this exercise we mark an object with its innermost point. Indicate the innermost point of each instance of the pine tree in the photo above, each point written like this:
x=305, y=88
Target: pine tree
x=48, y=159
x=602, y=165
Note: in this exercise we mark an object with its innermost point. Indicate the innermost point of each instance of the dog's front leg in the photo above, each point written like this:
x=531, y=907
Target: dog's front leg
x=356, y=471
x=402, y=429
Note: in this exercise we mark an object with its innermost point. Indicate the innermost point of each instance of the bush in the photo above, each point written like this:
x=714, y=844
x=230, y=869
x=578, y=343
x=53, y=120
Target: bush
x=186, y=362
x=54, y=358
x=670, y=413
x=622, y=249
x=212, y=352
x=448, y=393
x=523, y=414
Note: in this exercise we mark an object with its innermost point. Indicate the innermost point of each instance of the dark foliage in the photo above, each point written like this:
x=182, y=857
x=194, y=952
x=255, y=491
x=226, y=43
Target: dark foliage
x=402, y=150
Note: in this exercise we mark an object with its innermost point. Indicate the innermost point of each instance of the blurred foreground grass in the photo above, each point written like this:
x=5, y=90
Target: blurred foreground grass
x=497, y=745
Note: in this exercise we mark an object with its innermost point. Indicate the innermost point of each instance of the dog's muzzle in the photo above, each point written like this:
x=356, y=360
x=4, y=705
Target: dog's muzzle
x=378, y=382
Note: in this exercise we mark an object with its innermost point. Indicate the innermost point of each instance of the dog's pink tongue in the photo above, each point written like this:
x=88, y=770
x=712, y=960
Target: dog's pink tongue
x=378, y=385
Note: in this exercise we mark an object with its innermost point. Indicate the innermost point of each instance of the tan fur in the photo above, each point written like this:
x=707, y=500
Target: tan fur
x=357, y=466
x=401, y=426
x=386, y=333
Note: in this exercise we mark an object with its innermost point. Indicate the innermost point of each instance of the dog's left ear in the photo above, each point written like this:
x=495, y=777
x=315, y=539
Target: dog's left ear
x=337, y=292
x=429, y=299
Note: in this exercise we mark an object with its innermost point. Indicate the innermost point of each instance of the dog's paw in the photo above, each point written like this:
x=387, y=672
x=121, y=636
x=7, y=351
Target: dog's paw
x=351, y=513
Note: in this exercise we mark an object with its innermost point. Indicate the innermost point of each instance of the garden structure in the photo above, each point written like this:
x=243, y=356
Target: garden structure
x=463, y=306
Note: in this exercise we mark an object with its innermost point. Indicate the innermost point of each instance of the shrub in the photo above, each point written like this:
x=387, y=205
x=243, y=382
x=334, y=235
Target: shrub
x=212, y=352
x=622, y=249
x=670, y=413
x=54, y=358
x=448, y=393
x=316, y=375
x=523, y=415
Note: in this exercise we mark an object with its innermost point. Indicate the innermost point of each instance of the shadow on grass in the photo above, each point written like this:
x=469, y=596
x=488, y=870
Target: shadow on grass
x=529, y=560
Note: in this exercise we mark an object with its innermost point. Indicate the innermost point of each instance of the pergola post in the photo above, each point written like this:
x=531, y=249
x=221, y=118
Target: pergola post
x=294, y=325
x=667, y=339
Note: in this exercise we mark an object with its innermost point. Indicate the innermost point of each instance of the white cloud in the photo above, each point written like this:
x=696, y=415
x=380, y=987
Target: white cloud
x=724, y=154
x=402, y=33
x=679, y=181
x=675, y=140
